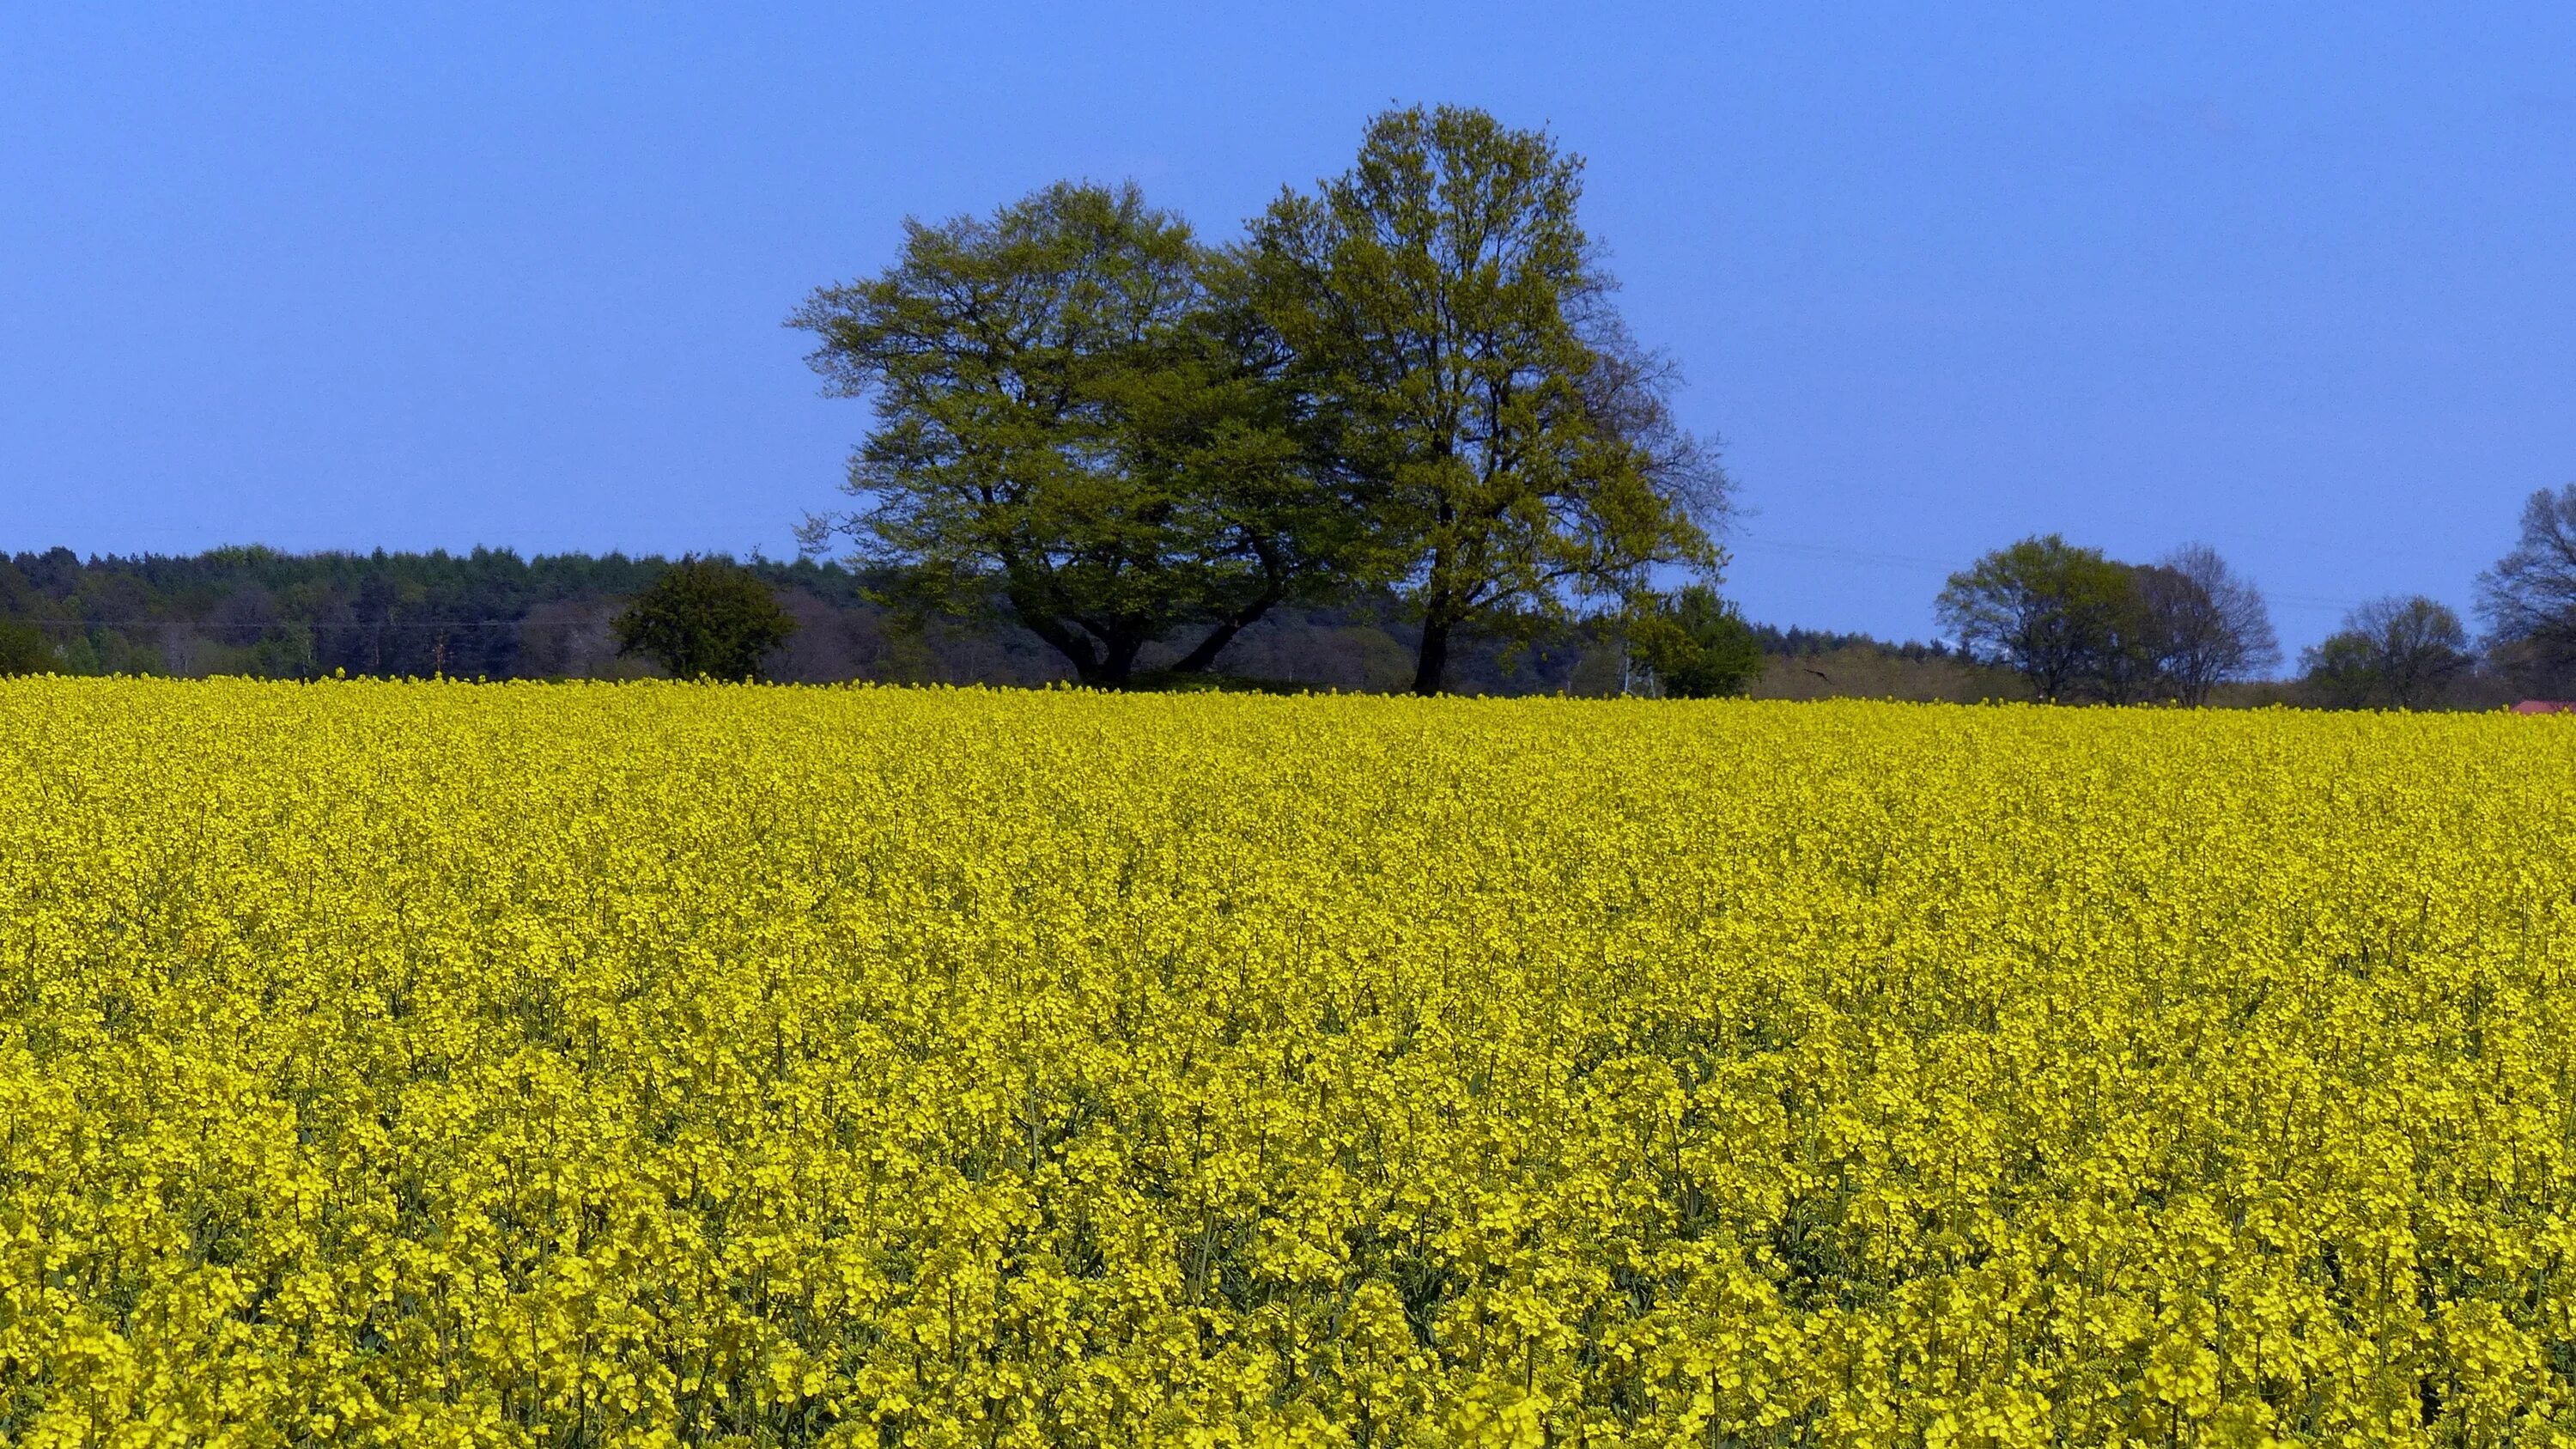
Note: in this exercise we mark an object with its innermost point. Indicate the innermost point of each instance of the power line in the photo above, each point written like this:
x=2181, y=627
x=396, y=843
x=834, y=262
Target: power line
x=1818, y=550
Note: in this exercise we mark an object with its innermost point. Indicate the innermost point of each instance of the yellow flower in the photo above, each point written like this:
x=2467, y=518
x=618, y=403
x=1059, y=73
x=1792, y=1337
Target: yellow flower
x=434, y=1063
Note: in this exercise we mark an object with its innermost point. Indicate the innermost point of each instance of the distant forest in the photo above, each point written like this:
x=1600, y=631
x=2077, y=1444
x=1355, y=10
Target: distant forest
x=496, y=615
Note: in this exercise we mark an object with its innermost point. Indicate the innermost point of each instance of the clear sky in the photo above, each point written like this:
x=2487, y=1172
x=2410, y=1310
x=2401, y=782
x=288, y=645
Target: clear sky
x=2296, y=280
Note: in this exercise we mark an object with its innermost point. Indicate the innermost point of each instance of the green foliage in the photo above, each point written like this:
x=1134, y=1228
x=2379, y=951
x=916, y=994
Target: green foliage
x=23, y=649
x=1458, y=356
x=495, y=614
x=261, y=611
x=2077, y=624
x=1077, y=421
x=1411, y=378
x=2045, y=607
x=705, y=618
x=2341, y=671
x=1697, y=645
x=2404, y=653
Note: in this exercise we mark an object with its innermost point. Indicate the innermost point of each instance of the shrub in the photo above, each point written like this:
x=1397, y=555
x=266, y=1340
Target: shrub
x=705, y=618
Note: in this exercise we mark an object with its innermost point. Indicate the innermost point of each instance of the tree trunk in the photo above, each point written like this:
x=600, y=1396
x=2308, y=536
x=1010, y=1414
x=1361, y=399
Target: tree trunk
x=1432, y=664
x=1203, y=657
x=1076, y=650
x=1117, y=662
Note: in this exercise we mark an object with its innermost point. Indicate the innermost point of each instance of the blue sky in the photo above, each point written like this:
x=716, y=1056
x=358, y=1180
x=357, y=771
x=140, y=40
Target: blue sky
x=2296, y=280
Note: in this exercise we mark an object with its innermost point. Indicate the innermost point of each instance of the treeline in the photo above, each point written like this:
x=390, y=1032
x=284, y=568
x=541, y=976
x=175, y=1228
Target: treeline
x=2042, y=619
x=494, y=614
x=262, y=612
x=2075, y=625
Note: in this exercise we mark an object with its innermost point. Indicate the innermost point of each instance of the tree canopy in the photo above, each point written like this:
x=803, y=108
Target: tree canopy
x=2529, y=597
x=2401, y=652
x=2207, y=625
x=1695, y=645
x=1078, y=423
x=2047, y=608
x=705, y=618
x=1451, y=335
x=2079, y=624
x=23, y=648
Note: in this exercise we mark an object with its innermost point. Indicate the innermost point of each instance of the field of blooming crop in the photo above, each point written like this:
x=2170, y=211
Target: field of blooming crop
x=417, y=1064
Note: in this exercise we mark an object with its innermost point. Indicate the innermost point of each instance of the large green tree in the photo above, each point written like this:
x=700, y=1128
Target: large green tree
x=1458, y=356
x=2049, y=609
x=1078, y=422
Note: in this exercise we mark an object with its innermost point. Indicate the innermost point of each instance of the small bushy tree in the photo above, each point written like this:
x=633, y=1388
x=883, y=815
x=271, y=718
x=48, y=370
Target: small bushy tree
x=23, y=649
x=1696, y=645
x=705, y=618
x=2401, y=652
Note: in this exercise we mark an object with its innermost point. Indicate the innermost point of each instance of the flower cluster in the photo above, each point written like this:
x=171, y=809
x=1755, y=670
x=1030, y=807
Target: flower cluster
x=426, y=1063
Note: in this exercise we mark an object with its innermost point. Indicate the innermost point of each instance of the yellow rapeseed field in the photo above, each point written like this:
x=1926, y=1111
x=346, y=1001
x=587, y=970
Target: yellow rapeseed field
x=419, y=1064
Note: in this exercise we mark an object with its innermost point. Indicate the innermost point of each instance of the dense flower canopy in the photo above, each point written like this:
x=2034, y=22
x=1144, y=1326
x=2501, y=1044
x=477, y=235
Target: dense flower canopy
x=431, y=1063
